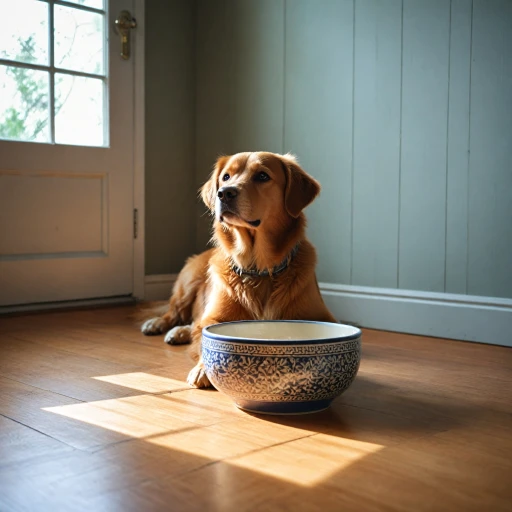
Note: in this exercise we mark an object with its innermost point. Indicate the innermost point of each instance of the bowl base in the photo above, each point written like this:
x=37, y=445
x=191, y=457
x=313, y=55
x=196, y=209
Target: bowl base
x=283, y=408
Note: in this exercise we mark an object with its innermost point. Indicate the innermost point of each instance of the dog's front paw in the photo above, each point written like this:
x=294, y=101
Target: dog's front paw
x=154, y=326
x=197, y=377
x=178, y=335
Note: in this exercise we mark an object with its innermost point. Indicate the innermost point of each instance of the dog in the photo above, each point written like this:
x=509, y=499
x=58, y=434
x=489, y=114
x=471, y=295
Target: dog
x=262, y=266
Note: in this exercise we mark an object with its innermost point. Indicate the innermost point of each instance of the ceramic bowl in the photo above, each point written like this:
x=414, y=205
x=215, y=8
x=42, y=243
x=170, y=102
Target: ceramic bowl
x=281, y=367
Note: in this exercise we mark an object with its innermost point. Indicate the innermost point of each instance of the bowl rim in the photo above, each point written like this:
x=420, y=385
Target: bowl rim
x=277, y=341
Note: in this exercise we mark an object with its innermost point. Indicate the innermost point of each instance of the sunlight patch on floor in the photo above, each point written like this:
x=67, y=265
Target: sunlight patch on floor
x=171, y=424
x=205, y=442
x=145, y=382
x=207, y=424
x=307, y=461
x=136, y=416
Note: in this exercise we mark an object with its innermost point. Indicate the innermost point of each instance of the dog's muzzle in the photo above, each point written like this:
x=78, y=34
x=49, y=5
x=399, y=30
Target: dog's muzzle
x=226, y=203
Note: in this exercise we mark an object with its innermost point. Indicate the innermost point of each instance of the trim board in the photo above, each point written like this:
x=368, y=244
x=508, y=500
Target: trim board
x=441, y=315
x=67, y=305
x=139, y=128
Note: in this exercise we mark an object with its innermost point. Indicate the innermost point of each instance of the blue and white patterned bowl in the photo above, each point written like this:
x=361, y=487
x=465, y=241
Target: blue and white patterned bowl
x=281, y=367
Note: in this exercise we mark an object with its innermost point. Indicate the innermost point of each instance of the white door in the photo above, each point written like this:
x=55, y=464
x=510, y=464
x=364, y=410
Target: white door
x=66, y=154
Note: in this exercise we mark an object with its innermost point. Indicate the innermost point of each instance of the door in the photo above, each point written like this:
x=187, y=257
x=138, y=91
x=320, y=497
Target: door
x=66, y=154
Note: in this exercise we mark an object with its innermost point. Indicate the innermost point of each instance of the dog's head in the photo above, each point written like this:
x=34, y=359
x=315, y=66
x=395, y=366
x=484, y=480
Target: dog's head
x=255, y=190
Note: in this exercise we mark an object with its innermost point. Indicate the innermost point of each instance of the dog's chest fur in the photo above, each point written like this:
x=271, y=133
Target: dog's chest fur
x=260, y=297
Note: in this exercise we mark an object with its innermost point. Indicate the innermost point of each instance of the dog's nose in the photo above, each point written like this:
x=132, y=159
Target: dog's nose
x=227, y=194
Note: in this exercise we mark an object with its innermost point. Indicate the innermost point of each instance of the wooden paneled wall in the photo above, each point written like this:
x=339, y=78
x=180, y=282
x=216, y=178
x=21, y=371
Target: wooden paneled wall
x=401, y=108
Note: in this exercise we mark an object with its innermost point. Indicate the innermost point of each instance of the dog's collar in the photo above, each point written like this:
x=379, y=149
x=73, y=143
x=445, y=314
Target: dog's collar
x=253, y=272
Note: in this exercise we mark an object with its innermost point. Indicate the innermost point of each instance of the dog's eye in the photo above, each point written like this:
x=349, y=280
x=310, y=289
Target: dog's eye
x=261, y=176
x=225, y=177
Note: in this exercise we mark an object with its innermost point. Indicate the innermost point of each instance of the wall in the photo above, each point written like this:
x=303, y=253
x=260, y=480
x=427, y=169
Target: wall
x=402, y=110
x=170, y=96
x=240, y=80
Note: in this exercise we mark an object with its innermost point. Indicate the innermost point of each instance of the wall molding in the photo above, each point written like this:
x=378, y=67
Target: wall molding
x=159, y=286
x=67, y=305
x=442, y=315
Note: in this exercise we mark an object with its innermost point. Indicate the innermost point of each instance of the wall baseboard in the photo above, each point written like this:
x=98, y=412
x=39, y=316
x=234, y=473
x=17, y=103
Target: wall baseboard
x=67, y=305
x=159, y=286
x=442, y=315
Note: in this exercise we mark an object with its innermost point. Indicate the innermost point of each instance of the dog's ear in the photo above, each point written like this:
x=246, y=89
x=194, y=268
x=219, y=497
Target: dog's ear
x=301, y=189
x=209, y=189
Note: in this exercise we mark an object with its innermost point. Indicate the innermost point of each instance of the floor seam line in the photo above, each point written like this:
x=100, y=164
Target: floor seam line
x=41, y=432
x=47, y=390
x=250, y=452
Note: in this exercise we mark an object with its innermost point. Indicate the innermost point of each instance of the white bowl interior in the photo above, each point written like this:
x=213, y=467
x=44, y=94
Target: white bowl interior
x=283, y=331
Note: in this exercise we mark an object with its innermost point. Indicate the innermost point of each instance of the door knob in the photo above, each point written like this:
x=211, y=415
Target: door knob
x=123, y=25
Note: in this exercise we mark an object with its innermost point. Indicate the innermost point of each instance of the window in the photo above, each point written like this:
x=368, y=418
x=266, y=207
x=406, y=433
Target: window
x=54, y=72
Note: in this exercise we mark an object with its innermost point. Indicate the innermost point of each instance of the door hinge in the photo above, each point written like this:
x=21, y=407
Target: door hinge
x=135, y=223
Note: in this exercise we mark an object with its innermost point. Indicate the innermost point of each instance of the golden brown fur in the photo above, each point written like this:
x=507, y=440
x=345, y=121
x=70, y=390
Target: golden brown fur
x=258, y=222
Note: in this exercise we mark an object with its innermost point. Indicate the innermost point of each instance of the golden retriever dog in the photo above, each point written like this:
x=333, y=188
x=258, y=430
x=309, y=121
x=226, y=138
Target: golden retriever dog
x=262, y=266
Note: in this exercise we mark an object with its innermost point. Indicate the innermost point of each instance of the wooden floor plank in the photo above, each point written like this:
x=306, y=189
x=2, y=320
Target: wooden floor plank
x=71, y=374
x=19, y=443
x=139, y=350
x=436, y=401
x=439, y=350
x=77, y=481
x=26, y=404
x=438, y=360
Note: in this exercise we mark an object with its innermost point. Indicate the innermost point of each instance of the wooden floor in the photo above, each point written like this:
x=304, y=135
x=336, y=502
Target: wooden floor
x=96, y=417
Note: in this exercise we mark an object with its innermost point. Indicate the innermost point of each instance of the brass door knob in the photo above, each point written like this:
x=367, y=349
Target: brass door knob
x=123, y=25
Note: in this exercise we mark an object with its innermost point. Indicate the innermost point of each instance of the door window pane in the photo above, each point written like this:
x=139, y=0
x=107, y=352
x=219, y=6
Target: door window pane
x=24, y=101
x=44, y=95
x=79, y=110
x=78, y=40
x=24, y=31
